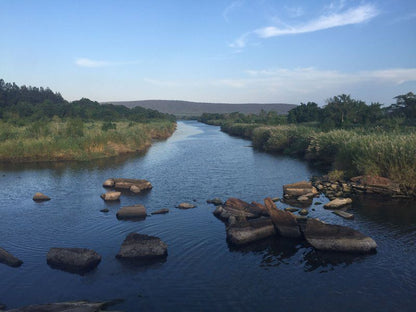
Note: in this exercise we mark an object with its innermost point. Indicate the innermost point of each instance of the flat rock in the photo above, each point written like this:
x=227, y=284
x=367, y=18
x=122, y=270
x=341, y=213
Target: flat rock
x=8, y=259
x=253, y=230
x=284, y=221
x=237, y=207
x=294, y=190
x=291, y=209
x=132, y=212
x=40, y=197
x=338, y=203
x=344, y=214
x=185, y=206
x=215, y=201
x=141, y=246
x=74, y=260
x=111, y=196
x=75, y=306
x=134, y=185
x=105, y=210
x=376, y=185
x=160, y=211
x=338, y=238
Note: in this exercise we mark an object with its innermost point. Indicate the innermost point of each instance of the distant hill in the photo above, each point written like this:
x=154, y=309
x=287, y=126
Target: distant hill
x=185, y=108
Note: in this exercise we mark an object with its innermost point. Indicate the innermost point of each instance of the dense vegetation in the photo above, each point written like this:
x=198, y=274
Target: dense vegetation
x=37, y=124
x=349, y=136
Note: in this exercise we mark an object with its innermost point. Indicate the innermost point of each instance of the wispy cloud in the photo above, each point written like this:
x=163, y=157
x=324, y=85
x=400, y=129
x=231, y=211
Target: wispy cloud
x=86, y=62
x=356, y=15
x=231, y=7
x=295, y=11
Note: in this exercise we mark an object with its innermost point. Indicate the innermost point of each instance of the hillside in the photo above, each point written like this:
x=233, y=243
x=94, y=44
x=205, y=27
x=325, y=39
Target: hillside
x=184, y=108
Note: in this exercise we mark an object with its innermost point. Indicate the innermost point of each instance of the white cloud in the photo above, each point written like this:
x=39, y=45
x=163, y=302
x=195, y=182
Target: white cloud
x=86, y=62
x=295, y=11
x=350, y=16
x=230, y=8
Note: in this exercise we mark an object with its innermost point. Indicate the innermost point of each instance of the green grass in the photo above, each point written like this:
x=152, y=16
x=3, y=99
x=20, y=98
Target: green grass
x=75, y=140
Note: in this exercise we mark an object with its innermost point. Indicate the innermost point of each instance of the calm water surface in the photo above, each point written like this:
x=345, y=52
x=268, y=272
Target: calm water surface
x=202, y=272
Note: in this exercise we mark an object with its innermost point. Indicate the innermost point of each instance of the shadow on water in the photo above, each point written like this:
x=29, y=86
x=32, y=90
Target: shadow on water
x=276, y=251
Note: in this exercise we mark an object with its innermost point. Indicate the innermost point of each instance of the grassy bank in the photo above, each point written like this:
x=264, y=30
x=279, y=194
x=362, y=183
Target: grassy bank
x=76, y=140
x=353, y=152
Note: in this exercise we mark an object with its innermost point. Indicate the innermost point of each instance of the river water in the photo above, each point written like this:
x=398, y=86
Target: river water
x=202, y=272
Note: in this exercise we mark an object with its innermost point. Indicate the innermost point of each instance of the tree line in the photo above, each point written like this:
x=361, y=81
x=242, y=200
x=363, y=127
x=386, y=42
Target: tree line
x=27, y=103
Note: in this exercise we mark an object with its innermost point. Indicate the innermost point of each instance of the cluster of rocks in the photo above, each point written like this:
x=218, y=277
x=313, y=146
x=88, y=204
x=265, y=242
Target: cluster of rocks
x=372, y=185
x=250, y=222
x=135, y=186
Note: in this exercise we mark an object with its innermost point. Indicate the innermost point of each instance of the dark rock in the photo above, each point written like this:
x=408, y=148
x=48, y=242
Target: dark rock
x=303, y=212
x=105, y=210
x=338, y=203
x=250, y=231
x=2, y=306
x=185, y=206
x=317, y=203
x=215, y=201
x=160, y=211
x=142, y=247
x=291, y=209
x=344, y=214
x=238, y=207
x=111, y=196
x=8, y=259
x=132, y=212
x=275, y=199
x=74, y=260
x=330, y=237
x=38, y=197
x=284, y=221
x=75, y=306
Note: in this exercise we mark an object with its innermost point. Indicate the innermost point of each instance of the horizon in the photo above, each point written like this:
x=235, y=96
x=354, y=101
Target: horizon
x=221, y=52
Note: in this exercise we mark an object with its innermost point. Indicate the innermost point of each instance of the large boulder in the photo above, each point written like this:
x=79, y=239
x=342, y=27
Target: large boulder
x=239, y=208
x=111, y=196
x=295, y=190
x=142, y=247
x=9, y=259
x=132, y=212
x=74, y=260
x=75, y=306
x=284, y=221
x=339, y=238
x=338, y=203
x=133, y=185
x=39, y=197
x=375, y=185
x=250, y=231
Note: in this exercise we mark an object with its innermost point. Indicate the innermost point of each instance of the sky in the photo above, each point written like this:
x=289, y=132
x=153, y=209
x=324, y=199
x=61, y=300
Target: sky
x=243, y=51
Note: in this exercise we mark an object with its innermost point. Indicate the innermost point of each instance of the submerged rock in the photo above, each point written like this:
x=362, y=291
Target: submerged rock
x=132, y=212
x=74, y=260
x=284, y=221
x=338, y=203
x=160, y=211
x=8, y=259
x=38, y=197
x=344, y=214
x=250, y=231
x=142, y=247
x=111, y=196
x=330, y=237
x=185, y=206
x=75, y=306
x=215, y=201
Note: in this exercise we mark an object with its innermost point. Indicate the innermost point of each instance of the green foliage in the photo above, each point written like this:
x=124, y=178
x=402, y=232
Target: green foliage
x=304, y=113
x=108, y=125
x=74, y=128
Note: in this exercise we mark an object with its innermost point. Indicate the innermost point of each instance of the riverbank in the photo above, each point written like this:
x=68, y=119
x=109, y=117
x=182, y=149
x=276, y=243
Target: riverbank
x=347, y=153
x=73, y=139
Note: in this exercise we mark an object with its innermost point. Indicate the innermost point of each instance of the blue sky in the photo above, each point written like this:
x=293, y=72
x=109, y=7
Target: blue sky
x=239, y=51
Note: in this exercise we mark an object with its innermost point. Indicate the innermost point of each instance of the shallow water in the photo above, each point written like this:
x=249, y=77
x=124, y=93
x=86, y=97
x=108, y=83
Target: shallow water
x=202, y=272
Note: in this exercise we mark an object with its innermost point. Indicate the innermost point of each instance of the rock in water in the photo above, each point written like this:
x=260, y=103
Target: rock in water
x=237, y=207
x=344, y=214
x=75, y=306
x=160, y=211
x=133, y=185
x=330, y=237
x=142, y=247
x=132, y=212
x=40, y=197
x=216, y=201
x=111, y=196
x=284, y=221
x=185, y=206
x=298, y=189
x=338, y=203
x=74, y=260
x=9, y=259
x=109, y=183
x=253, y=230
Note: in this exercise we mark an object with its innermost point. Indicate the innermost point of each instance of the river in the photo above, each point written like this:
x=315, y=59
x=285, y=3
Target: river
x=202, y=272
